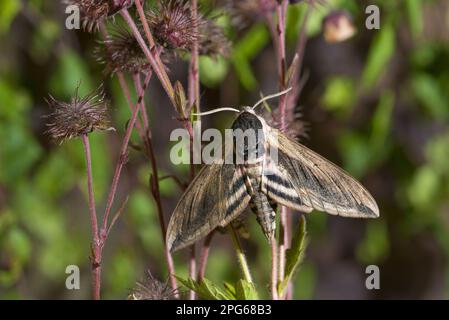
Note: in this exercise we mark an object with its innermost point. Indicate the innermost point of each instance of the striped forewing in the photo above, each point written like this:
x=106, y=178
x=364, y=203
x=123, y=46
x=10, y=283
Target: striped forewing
x=215, y=197
x=302, y=179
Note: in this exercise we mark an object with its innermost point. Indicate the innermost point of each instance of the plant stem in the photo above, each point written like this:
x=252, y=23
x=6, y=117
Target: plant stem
x=283, y=241
x=192, y=268
x=155, y=62
x=278, y=34
x=194, y=100
x=194, y=80
x=152, y=58
x=144, y=21
x=96, y=244
x=240, y=254
x=141, y=92
x=274, y=269
x=118, y=170
x=281, y=14
x=204, y=256
x=300, y=48
x=155, y=190
x=123, y=84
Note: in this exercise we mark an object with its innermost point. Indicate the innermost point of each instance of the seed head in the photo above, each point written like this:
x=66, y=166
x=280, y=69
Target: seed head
x=93, y=12
x=78, y=117
x=152, y=289
x=173, y=25
x=121, y=52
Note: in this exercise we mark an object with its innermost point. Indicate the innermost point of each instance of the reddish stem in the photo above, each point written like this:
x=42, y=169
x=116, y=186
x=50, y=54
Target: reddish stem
x=118, y=170
x=155, y=191
x=194, y=80
x=280, y=29
x=204, y=256
x=194, y=100
x=152, y=58
x=278, y=34
x=155, y=63
x=283, y=241
x=141, y=93
x=192, y=268
x=274, y=269
x=144, y=21
x=96, y=245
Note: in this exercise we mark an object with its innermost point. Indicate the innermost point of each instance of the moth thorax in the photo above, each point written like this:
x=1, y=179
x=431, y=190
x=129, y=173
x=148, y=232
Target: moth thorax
x=248, y=138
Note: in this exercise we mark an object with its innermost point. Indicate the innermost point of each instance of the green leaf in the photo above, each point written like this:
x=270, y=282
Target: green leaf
x=315, y=21
x=244, y=72
x=431, y=96
x=206, y=289
x=295, y=17
x=14, y=101
x=48, y=178
x=19, y=243
x=230, y=289
x=212, y=70
x=356, y=153
x=381, y=122
x=246, y=49
x=8, y=11
x=245, y=290
x=424, y=188
x=380, y=53
x=122, y=273
x=71, y=69
x=294, y=255
x=18, y=153
x=375, y=246
x=339, y=95
x=437, y=153
x=305, y=281
x=414, y=12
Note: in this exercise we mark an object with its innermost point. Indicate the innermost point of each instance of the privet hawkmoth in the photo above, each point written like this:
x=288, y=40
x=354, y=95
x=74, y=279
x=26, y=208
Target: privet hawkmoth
x=299, y=179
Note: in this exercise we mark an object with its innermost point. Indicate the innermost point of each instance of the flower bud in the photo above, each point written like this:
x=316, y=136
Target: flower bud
x=338, y=26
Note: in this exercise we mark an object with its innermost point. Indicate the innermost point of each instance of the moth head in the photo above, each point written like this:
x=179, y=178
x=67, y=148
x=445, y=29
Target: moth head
x=248, y=137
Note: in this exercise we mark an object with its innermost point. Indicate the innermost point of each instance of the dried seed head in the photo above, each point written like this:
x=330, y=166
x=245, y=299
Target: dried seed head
x=212, y=41
x=121, y=52
x=93, y=12
x=152, y=289
x=79, y=116
x=173, y=25
x=338, y=27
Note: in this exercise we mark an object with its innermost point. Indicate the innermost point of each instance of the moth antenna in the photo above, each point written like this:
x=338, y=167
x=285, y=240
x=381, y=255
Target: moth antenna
x=215, y=111
x=271, y=96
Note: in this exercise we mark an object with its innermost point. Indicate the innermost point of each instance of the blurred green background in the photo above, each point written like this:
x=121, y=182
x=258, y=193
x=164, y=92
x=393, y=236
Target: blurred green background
x=378, y=105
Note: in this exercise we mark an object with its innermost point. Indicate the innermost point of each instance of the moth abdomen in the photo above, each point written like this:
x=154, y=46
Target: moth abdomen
x=264, y=209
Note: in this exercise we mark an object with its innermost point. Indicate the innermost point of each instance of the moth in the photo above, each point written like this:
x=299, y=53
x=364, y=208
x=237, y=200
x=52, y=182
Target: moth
x=299, y=179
